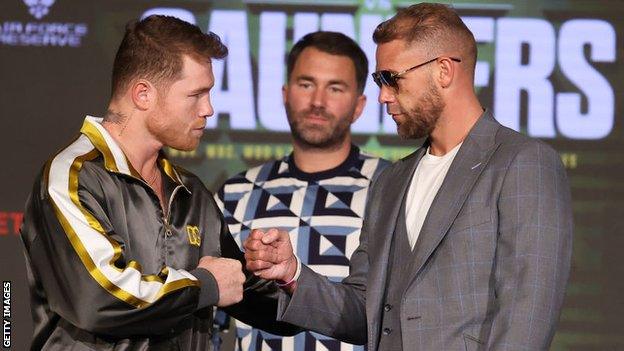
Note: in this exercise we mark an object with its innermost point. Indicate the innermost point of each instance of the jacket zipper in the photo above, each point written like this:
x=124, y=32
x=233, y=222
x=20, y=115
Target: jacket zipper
x=167, y=216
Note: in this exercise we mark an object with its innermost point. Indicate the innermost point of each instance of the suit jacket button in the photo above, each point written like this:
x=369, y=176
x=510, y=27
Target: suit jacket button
x=387, y=307
x=387, y=331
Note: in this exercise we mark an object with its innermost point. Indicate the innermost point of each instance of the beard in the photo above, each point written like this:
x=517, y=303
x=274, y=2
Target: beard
x=422, y=118
x=317, y=136
x=175, y=134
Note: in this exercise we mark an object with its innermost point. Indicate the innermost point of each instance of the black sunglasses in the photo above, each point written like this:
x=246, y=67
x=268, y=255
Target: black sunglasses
x=389, y=78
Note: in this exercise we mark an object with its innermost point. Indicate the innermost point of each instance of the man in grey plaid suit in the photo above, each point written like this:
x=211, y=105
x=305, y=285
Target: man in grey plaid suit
x=466, y=243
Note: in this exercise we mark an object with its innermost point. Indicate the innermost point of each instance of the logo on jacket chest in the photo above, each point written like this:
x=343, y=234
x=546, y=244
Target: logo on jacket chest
x=194, y=235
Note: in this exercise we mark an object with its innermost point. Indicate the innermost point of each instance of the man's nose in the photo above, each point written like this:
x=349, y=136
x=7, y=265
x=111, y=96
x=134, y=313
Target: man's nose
x=386, y=95
x=318, y=98
x=206, y=109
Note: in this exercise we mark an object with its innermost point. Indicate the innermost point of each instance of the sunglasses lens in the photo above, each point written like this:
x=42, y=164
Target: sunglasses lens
x=387, y=78
x=377, y=79
x=384, y=78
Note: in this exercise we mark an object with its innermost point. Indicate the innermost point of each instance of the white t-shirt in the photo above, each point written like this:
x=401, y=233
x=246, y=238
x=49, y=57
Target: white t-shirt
x=425, y=184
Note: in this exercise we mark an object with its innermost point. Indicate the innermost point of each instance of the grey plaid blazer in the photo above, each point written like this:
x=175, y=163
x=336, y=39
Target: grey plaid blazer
x=491, y=262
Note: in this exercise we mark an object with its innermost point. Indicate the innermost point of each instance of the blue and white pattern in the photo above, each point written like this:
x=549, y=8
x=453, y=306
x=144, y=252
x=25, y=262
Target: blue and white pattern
x=321, y=211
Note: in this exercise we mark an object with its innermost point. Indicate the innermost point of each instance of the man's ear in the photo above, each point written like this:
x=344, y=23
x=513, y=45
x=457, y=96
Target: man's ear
x=143, y=94
x=446, y=72
x=359, y=108
x=285, y=93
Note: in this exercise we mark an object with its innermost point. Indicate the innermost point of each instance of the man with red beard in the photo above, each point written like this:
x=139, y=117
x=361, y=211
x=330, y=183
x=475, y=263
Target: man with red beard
x=318, y=193
x=124, y=249
x=466, y=243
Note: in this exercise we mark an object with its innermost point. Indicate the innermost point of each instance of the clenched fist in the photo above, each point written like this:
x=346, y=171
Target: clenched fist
x=229, y=276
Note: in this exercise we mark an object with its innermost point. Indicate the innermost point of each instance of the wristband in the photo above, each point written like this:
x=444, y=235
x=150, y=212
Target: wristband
x=294, y=278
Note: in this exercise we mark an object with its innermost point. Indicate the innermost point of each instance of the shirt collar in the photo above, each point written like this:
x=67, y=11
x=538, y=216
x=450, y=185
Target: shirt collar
x=341, y=169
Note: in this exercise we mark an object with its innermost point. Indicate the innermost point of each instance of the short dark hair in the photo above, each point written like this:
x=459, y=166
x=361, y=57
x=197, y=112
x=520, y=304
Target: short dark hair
x=153, y=48
x=335, y=44
x=435, y=26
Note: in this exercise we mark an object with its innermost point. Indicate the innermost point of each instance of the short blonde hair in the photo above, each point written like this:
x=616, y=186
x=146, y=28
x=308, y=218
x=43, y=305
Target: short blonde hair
x=435, y=27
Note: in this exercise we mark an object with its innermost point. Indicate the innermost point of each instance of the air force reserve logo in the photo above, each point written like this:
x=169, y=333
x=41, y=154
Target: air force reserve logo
x=39, y=33
x=194, y=236
x=39, y=8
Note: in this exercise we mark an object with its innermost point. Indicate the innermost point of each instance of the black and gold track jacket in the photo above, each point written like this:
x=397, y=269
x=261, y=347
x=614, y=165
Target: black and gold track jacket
x=109, y=270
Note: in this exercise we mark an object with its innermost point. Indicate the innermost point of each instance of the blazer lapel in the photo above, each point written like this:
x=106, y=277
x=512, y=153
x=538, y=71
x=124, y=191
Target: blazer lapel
x=466, y=168
x=382, y=232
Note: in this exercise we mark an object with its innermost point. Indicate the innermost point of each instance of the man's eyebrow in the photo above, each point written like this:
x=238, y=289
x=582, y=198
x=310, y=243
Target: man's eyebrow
x=201, y=90
x=331, y=82
x=338, y=82
x=305, y=77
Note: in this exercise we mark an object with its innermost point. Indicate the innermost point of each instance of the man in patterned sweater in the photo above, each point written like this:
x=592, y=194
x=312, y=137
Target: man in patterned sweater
x=318, y=193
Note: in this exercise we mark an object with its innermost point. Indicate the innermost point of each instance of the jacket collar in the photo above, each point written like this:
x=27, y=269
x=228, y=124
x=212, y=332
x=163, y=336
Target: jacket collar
x=115, y=159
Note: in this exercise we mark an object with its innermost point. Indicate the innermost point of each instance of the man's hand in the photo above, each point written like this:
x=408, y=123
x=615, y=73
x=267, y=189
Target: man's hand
x=229, y=276
x=270, y=255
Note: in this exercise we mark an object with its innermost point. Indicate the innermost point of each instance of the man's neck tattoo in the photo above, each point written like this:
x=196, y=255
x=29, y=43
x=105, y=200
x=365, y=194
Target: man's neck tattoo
x=117, y=118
